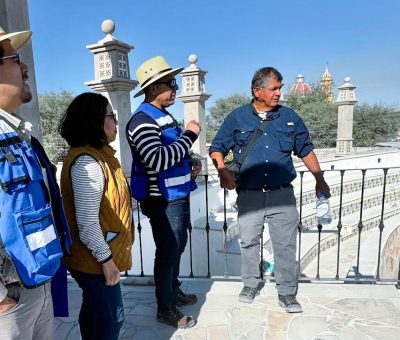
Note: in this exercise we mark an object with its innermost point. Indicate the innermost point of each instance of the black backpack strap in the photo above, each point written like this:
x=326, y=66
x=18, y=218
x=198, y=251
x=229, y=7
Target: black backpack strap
x=254, y=137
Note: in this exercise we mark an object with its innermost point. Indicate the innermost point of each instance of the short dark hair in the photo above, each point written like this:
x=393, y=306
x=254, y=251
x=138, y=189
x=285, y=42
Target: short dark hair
x=83, y=122
x=262, y=76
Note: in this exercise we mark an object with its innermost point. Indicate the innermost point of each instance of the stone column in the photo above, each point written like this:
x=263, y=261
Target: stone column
x=194, y=96
x=14, y=17
x=112, y=79
x=345, y=103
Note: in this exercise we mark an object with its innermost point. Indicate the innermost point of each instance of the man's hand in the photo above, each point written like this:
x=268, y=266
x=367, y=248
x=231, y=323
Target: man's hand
x=322, y=186
x=7, y=304
x=111, y=273
x=227, y=179
x=194, y=126
x=196, y=170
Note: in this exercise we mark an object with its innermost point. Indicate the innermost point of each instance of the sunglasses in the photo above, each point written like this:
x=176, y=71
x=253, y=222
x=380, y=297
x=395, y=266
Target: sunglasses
x=170, y=83
x=15, y=56
x=113, y=116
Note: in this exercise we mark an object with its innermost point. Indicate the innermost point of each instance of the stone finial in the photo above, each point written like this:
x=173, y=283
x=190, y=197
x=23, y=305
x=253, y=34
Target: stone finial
x=192, y=58
x=347, y=80
x=108, y=26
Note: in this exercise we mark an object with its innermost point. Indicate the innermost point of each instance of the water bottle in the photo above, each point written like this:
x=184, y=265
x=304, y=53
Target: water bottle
x=323, y=210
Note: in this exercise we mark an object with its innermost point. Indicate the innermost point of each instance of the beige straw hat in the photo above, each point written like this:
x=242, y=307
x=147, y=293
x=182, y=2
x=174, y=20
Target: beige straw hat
x=17, y=39
x=152, y=70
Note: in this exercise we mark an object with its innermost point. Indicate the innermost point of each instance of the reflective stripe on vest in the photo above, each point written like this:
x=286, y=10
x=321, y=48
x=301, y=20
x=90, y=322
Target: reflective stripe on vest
x=173, y=181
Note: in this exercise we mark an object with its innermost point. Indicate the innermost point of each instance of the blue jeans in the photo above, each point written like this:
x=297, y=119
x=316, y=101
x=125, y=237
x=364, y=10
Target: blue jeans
x=169, y=223
x=102, y=313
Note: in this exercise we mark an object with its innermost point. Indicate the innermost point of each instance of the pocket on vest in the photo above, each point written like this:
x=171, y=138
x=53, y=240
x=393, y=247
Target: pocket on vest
x=18, y=165
x=41, y=252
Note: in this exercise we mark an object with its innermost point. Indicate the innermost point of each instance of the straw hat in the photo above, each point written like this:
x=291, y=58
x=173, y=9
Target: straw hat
x=152, y=70
x=17, y=39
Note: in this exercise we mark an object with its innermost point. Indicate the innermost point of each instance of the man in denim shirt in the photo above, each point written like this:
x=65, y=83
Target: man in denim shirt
x=265, y=193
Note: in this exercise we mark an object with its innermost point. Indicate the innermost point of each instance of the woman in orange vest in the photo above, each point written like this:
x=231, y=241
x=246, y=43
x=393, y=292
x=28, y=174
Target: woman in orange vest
x=99, y=212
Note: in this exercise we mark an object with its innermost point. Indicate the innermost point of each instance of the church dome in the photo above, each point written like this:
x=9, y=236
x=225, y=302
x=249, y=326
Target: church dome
x=300, y=88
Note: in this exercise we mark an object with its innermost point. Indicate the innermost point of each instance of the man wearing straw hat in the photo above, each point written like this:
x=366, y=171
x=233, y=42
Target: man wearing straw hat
x=161, y=180
x=30, y=249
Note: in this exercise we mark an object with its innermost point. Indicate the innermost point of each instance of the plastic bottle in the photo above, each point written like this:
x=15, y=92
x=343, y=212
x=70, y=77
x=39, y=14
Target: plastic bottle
x=323, y=210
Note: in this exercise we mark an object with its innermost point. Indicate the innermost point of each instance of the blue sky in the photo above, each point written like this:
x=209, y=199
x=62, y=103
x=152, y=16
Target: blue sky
x=232, y=39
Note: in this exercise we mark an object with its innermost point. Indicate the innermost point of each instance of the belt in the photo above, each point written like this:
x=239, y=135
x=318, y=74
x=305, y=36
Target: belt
x=283, y=186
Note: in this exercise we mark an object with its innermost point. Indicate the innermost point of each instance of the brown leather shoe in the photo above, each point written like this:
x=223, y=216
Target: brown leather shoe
x=173, y=317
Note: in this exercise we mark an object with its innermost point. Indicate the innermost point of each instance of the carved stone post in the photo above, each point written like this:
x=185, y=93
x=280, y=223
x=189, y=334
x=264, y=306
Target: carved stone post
x=194, y=96
x=345, y=103
x=112, y=79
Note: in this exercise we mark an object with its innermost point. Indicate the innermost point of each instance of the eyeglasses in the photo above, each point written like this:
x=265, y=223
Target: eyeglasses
x=15, y=56
x=113, y=116
x=170, y=83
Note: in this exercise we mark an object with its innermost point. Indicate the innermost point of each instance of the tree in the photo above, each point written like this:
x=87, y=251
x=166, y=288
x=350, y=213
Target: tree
x=220, y=110
x=319, y=116
x=52, y=106
x=372, y=123
x=375, y=123
x=296, y=102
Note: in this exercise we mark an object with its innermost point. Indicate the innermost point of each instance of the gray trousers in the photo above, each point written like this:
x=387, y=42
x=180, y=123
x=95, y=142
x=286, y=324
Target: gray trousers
x=31, y=318
x=278, y=209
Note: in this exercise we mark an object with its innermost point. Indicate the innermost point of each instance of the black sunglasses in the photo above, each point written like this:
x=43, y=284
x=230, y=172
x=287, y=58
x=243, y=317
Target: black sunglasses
x=15, y=56
x=170, y=83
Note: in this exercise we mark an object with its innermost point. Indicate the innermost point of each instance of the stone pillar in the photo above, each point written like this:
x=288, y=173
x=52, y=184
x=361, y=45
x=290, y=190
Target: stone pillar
x=194, y=96
x=112, y=79
x=14, y=17
x=345, y=103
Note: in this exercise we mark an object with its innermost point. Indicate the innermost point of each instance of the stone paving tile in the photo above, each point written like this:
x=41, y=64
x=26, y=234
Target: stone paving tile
x=219, y=332
x=196, y=333
x=277, y=325
x=245, y=320
x=331, y=312
x=303, y=327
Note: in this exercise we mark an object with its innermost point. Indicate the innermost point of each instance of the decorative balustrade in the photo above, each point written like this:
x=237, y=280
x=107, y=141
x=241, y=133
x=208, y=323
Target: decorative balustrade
x=378, y=196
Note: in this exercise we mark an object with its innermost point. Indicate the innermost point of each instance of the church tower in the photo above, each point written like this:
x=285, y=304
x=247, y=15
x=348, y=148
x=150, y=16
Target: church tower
x=326, y=84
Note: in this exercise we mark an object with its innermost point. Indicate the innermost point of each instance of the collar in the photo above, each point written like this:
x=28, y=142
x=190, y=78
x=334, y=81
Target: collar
x=269, y=115
x=108, y=150
x=12, y=118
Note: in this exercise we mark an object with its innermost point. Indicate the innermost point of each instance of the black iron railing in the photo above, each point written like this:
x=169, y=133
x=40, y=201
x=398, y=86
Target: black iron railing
x=359, y=182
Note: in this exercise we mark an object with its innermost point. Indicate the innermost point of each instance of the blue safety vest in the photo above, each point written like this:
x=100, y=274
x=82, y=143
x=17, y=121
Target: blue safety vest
x=27, y=226
x=175, y=182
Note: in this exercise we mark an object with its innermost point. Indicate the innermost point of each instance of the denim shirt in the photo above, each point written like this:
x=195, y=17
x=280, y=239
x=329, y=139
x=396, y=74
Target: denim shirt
x=269, y=164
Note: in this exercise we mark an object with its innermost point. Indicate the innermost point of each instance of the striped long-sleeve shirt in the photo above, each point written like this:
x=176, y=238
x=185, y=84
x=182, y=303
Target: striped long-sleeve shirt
x=144, y=136
x=88, y=186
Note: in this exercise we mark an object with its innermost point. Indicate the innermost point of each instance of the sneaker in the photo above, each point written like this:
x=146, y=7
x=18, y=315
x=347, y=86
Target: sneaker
x=290, y=303
x=173, y=317
x=183, y=299
x=248, y=294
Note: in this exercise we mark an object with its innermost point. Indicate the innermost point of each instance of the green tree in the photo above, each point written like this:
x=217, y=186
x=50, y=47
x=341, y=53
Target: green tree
x=296, y=102
x=220, y=110
x=319, y=116
x=52, y=106
x=375, y=123
x=372, y=123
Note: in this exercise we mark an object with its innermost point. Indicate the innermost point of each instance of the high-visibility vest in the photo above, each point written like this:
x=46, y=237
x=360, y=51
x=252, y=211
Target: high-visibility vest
x=175, y=182
x=27, y=226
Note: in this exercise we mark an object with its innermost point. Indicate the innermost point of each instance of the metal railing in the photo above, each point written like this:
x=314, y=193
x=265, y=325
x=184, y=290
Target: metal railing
x=377, y=180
